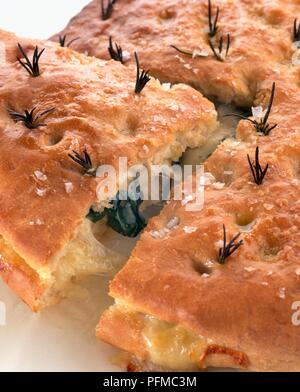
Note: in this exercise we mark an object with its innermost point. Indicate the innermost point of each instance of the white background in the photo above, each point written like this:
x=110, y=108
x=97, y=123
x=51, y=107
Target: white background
x=38, y=18
x=61, y=338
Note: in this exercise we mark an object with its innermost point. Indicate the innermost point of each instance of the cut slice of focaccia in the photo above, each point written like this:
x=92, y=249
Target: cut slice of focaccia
x=85, y=106
x=179, y=307
x=192, y=295
x=261, y=35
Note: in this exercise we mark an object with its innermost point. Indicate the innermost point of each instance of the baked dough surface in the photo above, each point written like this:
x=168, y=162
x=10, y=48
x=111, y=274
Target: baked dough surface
x=260, y=33
x=44, y=195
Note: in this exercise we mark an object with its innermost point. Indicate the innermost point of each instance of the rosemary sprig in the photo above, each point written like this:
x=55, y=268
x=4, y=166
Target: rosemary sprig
x=85, y=162
x=220, y=52
x=261, y=126
x=116, y=52
x=124, y=216
x=142, y=78
x=256, y=169
x=107, y=10
x=296, y=31
x=32, y=67
x=30, y=119
x=229, y=248
x=195, y=54
x=212, y=23
x=63, y=43
x=190, y=54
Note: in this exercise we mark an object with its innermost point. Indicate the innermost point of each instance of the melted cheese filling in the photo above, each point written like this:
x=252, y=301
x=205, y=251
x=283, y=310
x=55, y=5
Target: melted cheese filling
x=168, y=345
x=172, y=346
x=82, y=256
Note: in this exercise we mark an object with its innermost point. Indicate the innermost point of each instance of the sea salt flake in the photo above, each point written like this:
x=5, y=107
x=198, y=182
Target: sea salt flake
x=268, y=206
x=281, y=293
x=166, y=86
x=126, y=55
x=174, y=107
x=258, y=112
x=209, y=263
x=37, y=222
x=172, y=223
x=41, y=192
x=200, y=53
x=40, y=175
x=155, y=234
x=249, y=269
x=189, y=229
x=218, y=185
x=187, y=199
x=159, y=233
x=69, y=187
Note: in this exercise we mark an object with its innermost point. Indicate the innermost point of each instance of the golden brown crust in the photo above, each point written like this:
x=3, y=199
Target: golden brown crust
x=95, y=108
x=238, y=358
x=23, y=281
x=214, y=356
x=123, y=330
x=133, y=368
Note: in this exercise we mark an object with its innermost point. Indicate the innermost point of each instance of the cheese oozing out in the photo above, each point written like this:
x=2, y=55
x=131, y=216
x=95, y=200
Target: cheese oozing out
x=168, y=346
x=82, y=256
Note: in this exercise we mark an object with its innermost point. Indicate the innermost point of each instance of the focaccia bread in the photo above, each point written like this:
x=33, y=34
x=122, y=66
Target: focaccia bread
x=261, y=35
x=178, y=306
x=80, y=104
